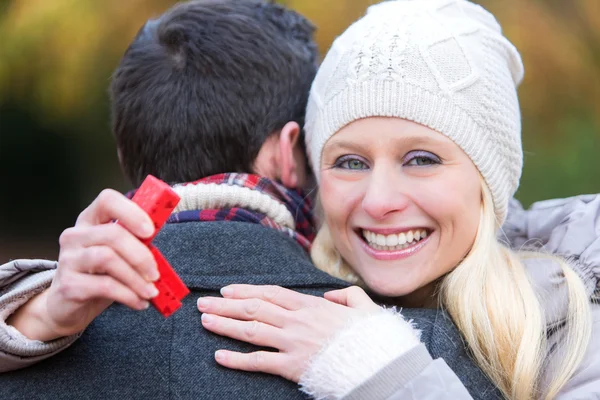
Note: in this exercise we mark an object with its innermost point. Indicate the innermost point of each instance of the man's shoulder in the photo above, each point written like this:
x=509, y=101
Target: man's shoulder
x=237, y=252
x=226, y=233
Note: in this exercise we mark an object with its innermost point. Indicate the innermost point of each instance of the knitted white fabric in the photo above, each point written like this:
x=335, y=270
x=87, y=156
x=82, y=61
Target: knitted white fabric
x=200, y=196
x=441, y=63
x=358, y=352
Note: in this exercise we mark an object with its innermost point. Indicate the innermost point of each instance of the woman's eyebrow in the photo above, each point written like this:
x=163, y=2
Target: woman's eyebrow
x=343, y=145
x=413, y=140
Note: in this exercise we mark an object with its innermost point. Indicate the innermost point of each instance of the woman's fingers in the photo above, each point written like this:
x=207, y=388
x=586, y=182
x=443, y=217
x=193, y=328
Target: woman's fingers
x=306, y=324
x=253, y=332
x=259, y=361
x=245, y=310
x=286, y=298
x=117, y=238
x=111, y=205
x=102, y=260
x=82, y=288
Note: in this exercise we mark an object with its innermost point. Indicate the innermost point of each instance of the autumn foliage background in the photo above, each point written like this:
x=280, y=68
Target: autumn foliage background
x=56, y=59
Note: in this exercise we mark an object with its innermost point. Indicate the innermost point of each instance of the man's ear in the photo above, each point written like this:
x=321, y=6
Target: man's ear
x=288, y=167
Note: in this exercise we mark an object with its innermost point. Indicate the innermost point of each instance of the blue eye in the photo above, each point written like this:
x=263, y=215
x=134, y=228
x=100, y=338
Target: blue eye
x=421, y=159
x=351, y=163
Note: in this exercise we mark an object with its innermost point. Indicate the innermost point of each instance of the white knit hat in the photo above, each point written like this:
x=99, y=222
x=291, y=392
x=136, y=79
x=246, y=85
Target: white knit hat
x=441, y=63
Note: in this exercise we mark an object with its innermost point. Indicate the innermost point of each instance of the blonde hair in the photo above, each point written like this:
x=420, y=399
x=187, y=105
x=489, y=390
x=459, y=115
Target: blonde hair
x=495, y=307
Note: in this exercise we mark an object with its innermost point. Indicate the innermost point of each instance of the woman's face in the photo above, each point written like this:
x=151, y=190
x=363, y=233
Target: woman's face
x=402, y=202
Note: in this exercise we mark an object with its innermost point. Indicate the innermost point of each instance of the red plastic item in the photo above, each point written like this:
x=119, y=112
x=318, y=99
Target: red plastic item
x=171, y=288
x=158, y=200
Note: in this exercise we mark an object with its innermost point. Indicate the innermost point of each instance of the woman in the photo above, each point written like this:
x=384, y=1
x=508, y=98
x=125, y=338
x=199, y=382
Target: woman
x=413, y=125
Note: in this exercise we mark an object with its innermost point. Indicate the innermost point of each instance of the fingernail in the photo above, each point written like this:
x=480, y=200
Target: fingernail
x=219, y=355
x=226, y=291
x=145, y=305
x=151, y=291
x=148, y=229
x=207, y=319
x=203, y=302
x=152, y=275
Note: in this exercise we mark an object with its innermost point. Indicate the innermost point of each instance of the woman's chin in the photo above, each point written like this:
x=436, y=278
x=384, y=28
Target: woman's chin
x=390, y=287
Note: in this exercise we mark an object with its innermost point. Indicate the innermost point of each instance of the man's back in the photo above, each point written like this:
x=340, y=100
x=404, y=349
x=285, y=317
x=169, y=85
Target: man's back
x=126, y=354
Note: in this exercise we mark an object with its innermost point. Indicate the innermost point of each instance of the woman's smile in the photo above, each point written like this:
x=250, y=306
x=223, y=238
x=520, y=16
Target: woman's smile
x=393, y=244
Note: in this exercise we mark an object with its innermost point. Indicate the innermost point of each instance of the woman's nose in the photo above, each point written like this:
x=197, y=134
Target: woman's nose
x=385, y=194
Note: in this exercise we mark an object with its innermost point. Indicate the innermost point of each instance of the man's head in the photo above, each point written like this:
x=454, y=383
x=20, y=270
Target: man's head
x=215, y=86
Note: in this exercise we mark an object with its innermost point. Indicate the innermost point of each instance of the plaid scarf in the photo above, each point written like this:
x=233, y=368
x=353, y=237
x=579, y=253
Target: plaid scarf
x=297, y=204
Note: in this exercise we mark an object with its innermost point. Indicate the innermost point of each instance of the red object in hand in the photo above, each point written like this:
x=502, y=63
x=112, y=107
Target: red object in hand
x=171, y=289
x=158, y=200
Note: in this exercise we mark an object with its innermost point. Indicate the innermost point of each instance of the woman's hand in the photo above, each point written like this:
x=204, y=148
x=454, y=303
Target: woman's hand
x=100, y=262
x=296, y=324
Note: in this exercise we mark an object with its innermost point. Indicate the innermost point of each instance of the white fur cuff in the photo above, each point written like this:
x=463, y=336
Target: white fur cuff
x=358, y=352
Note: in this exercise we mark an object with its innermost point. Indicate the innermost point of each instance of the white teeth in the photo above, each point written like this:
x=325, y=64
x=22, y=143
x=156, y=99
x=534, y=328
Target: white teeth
x=401, y=238
x=394, y=241
x=391, y=240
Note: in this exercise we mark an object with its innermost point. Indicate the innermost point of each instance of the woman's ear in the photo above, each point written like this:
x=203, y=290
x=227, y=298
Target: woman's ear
x=288, y=166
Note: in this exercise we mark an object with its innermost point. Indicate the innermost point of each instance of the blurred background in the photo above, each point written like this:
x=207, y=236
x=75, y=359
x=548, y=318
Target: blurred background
x=56, y=59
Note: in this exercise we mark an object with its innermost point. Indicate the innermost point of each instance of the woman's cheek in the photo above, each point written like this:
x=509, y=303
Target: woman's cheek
x=339, y=198
x=326, y=194
x=436, y=198
x=337, y=195
x=449, y=197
